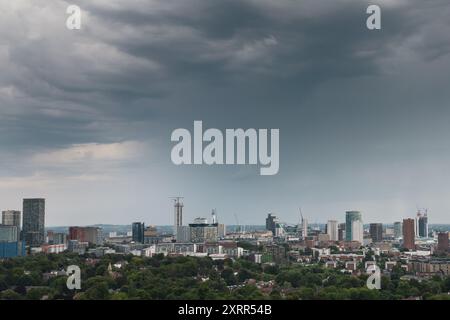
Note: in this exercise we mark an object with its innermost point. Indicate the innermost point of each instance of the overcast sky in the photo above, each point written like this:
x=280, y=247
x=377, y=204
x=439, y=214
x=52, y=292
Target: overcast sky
x=364, y=116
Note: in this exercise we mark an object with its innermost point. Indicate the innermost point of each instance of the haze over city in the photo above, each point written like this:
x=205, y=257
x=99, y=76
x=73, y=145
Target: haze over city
x=86, y=115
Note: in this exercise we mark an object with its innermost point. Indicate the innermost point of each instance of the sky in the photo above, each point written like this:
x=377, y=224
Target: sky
x=86, y=115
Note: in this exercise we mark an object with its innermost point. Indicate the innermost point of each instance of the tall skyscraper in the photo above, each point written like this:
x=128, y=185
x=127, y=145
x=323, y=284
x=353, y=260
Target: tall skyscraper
x=409, y=235
x=398, y=229
x=443, y=242
x=11, y=218
x=34, y=221
x=423, y=226
x=353, y=226
x=304, y=228
x=358, y=231
x=178, y=214
x=376, y=232
x=137, y=232
x=341, y=232
x=332, y=230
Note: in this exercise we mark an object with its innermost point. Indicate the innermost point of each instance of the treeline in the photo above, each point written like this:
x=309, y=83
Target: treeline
x=129, y=277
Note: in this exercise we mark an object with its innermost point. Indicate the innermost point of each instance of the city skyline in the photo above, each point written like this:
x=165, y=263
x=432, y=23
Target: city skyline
x=231, y=220
x=87, y=115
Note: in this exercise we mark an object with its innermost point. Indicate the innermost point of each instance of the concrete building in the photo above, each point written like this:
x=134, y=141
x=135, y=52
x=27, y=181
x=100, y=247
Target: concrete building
x=91, y=235
x=429, y=267
x=409, y=236
x=357, y=231
x=398, y=229
x=443, y=242
x=333, y=230
x=341, y=232
x=178, y=214
x=9, y=233
x=376, y=232
x=203, y=232
x=183, y=234
x=12, y=218
x=56, y=237
x=34, y=221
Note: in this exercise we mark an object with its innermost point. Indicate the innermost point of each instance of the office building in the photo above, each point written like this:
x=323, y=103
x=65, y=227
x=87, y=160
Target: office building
x=137, y=232
x=353, y=226
x=9, y=233
x=409, y=236
x=183, y=234
x=376, y=232
x=398, y=229
x=333, y=230
x=443, y=242
x=11, y=249
x=90, y=235
x=341, y=232
x=202, y=231
x=422, y=227
x=358, y=231
x=34, y=221
x=12, y=218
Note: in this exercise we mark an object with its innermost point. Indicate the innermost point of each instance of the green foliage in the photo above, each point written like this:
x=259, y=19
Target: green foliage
x=191, y=278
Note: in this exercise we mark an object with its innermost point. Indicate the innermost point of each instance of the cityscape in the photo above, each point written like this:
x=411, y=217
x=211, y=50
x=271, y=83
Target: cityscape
x=409, y=251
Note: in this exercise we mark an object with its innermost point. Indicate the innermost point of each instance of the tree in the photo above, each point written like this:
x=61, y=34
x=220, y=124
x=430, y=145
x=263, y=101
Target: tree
x=10, y=295
x=228, y=276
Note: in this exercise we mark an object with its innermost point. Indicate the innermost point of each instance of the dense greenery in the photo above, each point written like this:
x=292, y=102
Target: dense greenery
x=198, y=278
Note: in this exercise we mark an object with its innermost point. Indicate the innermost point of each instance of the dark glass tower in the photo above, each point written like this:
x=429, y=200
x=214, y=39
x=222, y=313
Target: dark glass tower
x=34, y=221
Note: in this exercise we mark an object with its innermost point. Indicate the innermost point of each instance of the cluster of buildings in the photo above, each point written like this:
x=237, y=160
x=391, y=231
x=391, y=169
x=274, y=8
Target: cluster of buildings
x=408, y=244
x=199, y=238
x=20, y=235
x=16, y=234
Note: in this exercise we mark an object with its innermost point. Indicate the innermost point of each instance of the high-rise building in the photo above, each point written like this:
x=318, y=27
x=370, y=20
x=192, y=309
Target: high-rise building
x=398, y=229
x=341, y=232
x=11, y=218
x=137, y=232
x=271, y=223
x=34, y=221
x=443, y=242
x=409, y=235
x=178, y=214
x=332, y=230
x=376, y=232
x=202, y=231
x=304, y=228
x=423, y=226
x=357, y=231
x=9, y=234
x=184, y=234
x=353, y=226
